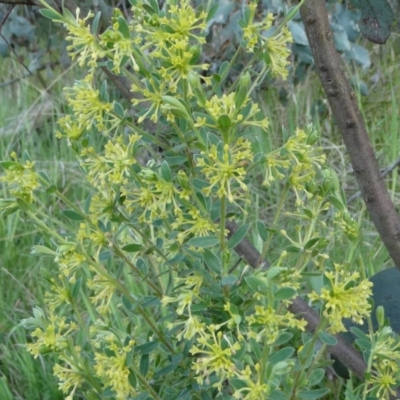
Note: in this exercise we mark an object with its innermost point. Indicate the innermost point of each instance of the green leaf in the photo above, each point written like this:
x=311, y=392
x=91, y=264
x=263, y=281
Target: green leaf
x=203, y=241
x=145, y=395
x=212, y=261
x=132, y=247
x=148, y=8
x=285, y=293
x=316, y=376
x=246, y=14
x=51, y=189
x=127, y=302
x=45, y=177
x=175, y=160
x=281, y=355
x=223, y=68
x=95, y=23
x=165, y=172
x=132, y=378
x=238, y=236
x=146, y=348
x=8, y=164
x=258, y=285
x=212, y=12
x=228, y=280
x=262, y=230
x=283, y=338
x=123, y=27
x=311, y=243
x=51, y=14
x=72, y=214
x=119, y=110
x=144, y=364
x=240, y=97
x=313, y=394
x=22, y=204
x=376, y=20
x=155, y=6
x=76, y=289
x=224, y=122
x=165, y=370
x=326, y=338
x=177, y=107
x=293, y=249
x=39, y=249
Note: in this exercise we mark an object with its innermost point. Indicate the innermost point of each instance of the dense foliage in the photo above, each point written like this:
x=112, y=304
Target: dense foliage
x=150, y=299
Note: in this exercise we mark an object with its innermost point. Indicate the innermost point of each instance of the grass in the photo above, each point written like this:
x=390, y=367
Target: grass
x=21, y=284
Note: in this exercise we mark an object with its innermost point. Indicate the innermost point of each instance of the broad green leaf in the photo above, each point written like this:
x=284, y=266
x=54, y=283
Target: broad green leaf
x=212, y=11
x=127, y=302
x=224, y=122
x=203, y=241
x=228, y=280
x=316, y=376
x=51, y=14
x=326, y=338
x=144, y=364
x=262, y=230
x=45, y=177
x=95, y=23
x=76, y=289
x=123, y=27
x=165, y=172
x=285, y=293
x=22, y=204
x=165, y=370
x=72, y=214
x=8, y=164
x=132, y=247
x=281, y=355
x=311, y=243
x=313, y=394
x=212, y=261
x=238, y=236
x=283, y=338
x=146, y=348
x=376, y=20
x=258, y=285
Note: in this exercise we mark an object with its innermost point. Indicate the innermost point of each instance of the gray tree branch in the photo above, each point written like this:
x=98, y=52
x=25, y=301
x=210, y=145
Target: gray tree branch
x=344, y=107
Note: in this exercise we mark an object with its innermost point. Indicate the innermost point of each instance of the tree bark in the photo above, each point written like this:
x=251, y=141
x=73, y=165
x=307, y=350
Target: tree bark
x=347, y=115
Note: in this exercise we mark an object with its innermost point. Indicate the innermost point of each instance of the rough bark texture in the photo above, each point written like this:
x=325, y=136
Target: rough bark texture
x=344, y=107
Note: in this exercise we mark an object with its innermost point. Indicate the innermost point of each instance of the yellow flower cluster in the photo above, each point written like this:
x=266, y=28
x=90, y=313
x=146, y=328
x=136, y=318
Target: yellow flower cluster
x=52, y=336
x=274, y=48
x=271, y=323
x=345, y=298
x=21, y=179
x=223, y=166
x=113, y=370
